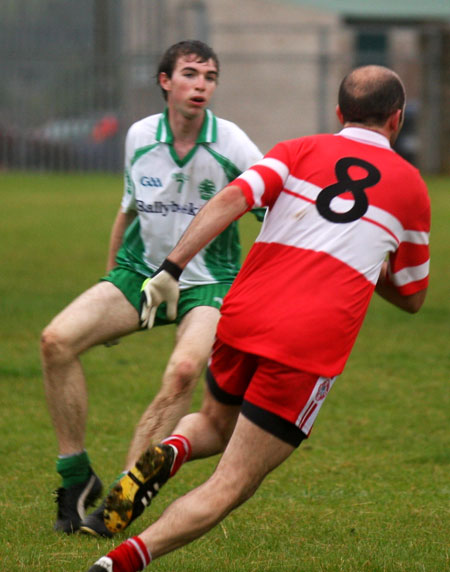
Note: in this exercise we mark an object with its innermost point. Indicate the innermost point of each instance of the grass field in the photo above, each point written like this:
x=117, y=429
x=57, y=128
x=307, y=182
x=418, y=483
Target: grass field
x=369, y=491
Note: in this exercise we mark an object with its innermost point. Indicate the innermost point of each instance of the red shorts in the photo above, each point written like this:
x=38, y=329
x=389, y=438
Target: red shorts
x=282, y=400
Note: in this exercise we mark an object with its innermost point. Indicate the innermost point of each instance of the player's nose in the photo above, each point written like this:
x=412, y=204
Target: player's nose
x=201, y=82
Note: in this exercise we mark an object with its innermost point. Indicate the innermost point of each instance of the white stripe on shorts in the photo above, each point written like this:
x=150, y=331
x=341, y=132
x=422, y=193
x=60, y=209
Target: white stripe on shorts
x=309, y=413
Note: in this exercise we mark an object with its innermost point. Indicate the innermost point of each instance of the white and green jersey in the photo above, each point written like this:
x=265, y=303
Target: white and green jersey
x=167, y=192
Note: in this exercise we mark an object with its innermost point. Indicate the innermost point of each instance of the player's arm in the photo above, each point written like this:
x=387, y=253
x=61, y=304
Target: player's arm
x=386, y=289
x=218, y=213
x=120, y=225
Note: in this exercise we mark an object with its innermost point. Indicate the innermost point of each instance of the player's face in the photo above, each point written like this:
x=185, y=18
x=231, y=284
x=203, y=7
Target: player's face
x=191, y=86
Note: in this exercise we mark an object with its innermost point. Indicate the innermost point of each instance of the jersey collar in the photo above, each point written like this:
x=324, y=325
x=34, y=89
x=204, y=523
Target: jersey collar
x=208, y=132
x=365, y=136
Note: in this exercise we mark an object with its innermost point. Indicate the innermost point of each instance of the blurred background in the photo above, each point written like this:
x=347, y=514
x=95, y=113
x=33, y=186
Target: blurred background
x=76, y=74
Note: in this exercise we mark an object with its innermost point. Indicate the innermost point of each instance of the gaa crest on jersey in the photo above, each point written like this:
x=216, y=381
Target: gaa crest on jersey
x=207, y=189
x=151, y=182
x=323, y=389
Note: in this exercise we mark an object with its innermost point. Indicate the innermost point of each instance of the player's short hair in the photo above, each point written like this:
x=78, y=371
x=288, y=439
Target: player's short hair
x=370, y=94
x=185, y=48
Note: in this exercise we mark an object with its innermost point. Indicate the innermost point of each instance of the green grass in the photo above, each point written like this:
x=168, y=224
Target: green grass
x=370, y=489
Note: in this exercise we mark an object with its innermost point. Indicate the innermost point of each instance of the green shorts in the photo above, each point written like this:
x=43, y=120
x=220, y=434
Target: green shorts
x=130, y=282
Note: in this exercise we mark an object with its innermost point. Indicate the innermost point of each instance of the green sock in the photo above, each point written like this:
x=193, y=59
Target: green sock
x=74, y=469
x=117, y=479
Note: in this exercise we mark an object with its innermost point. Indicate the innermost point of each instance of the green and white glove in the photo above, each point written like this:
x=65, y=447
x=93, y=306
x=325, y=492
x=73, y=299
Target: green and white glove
x=162, y=287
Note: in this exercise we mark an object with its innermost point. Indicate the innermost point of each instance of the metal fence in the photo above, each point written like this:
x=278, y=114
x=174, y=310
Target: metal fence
x=62, y=106
x=77, y=74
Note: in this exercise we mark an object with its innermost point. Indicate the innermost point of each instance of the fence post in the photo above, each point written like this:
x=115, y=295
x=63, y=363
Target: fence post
x=431, y=109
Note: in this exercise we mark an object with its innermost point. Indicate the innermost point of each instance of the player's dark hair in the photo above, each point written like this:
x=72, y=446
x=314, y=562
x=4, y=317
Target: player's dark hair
x=185, y=48
x=370, y=94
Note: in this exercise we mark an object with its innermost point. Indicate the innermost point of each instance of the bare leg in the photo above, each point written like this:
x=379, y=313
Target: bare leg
x=195, y=338
x=209, y=430
x=250, y=455
x=86, y=322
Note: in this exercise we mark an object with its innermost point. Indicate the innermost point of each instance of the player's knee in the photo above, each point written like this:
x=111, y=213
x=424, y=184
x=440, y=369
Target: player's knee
x=244, y=491
x=185, y=373
x=221, y=419
x=54, y=346
x=231, y=493
x=222, y=429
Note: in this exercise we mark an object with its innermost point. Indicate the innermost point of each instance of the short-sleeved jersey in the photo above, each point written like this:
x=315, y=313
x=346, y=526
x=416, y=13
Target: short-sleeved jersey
x=338, y=206
x=167, y=192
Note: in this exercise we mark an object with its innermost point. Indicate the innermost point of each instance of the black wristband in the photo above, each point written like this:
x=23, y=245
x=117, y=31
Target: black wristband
x=173, y=269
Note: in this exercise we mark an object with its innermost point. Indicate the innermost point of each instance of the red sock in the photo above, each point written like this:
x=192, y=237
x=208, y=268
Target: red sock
x=130, y=556
x=182, y=449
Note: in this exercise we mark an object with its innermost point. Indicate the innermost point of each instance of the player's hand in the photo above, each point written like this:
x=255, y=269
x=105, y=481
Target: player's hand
x=163, y=287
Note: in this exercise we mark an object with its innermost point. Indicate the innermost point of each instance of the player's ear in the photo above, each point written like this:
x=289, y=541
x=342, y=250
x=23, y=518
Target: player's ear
x=164, y=81
x=396, y=120
x=339, y=115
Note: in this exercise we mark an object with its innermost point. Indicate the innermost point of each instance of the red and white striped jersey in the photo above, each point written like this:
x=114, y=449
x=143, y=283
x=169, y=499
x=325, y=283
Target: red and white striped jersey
x=338, y=206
